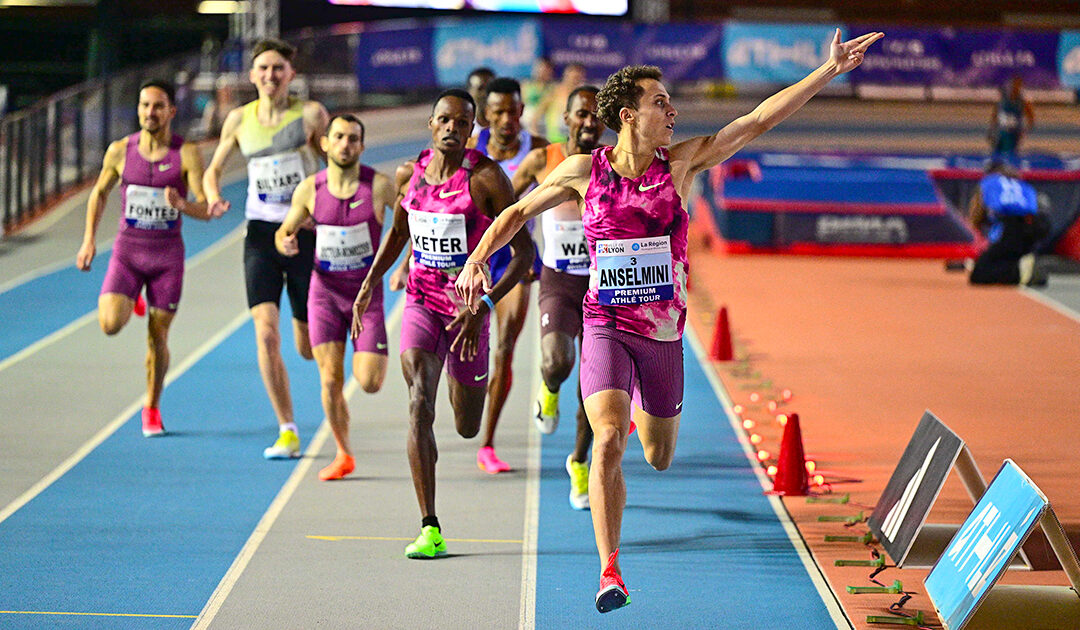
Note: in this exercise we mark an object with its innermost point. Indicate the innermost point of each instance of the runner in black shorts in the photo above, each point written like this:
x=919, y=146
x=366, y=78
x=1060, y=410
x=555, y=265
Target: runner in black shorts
x=267, y=272
x=564, y=280
x=279, y=136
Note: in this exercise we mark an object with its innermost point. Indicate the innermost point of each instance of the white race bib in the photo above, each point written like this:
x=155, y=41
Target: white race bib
x=634, y=271
x=274, y=177
x=565, y=248
x=343, y=248
x=145, y=208
x=438, y=240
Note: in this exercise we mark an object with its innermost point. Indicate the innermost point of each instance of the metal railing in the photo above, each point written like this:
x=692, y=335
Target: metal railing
x=57, y=144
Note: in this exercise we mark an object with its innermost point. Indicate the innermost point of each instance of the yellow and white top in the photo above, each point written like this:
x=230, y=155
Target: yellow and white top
x=278, y=160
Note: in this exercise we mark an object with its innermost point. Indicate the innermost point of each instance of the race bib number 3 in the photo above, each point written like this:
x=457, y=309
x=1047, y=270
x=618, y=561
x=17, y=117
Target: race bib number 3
x=145, y=208
x=438, y=240
x=340, y=248
x=634, y=271
x=274, y=177
x=571, y=250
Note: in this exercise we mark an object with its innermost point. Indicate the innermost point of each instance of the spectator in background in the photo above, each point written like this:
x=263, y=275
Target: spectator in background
x=551, y=110
x=476, y=85
x=1013, y=118
x=535, y=91
x=1006, y=209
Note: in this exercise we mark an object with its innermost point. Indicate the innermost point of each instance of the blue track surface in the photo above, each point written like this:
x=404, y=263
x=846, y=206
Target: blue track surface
x=849, y=185
x=58, y=298
x=150, y=526
x=700, y=540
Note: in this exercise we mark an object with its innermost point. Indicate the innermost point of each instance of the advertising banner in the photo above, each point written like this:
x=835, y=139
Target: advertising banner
x=907, y=56
x=602, y=47
x=960, y=58
x=775, y=53
x=507, y=46
x=984, y=58
x=685, y=52
x=1068, y=59
x=395, y=59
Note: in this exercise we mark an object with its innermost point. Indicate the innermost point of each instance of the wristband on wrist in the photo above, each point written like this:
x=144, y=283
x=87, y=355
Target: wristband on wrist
x=486, y=299
x=477, y=262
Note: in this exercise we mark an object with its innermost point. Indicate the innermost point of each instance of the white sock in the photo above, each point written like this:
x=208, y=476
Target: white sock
x=288, y=426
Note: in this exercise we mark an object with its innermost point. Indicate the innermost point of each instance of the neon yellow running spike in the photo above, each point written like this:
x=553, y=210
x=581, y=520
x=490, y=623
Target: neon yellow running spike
x=287, y=446
x=579, y=483
x=429, y=544
x=547, y=410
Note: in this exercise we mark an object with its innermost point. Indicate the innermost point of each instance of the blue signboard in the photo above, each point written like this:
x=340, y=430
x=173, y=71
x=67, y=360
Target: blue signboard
x=907, y=56
x=1068, y=59
x=979, y=553
x=601, y=46
x=507, y=46
x=685, y=52
x=395, y=59
x=989, y=58
x=776, y=53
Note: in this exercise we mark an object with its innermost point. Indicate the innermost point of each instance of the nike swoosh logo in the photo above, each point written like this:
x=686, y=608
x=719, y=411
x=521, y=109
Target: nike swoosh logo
x=164, y=167
x=644, y=188
x=480, y=378
x=679, y=406
x=380, y=346
x=443, y=195
x=356, y=203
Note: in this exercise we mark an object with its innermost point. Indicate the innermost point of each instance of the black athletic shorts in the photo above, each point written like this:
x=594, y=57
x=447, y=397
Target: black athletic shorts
x=266, y=271
x=561, y=295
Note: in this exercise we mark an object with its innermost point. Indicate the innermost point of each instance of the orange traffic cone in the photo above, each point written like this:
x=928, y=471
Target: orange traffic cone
x=791, y=477
x=721, y=342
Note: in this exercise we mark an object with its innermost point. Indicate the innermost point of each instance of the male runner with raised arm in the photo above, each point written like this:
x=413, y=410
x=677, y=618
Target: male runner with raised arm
x=632, y=198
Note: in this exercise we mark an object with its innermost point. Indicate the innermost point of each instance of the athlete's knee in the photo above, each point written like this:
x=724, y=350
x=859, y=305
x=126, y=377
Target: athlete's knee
x=332, y=383
x=556, y=367
x=303, y=343
x=659, y=456
x=268, y=337
x=110, y=325
x=608, y=442
x=421, y=405
x=370, y=383
x=467, y=429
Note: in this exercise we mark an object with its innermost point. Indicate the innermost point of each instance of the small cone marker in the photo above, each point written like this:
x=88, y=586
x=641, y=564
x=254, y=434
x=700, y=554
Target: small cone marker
x=791, y=476
x=721, y=343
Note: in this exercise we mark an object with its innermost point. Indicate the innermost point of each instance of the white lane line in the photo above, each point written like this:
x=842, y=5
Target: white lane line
x=34, y=274
x=527, y=606
x=1050, y=302
x=828, y=597
x=232, y=576
x=117, y=422
x=42, y=225
x=230, y=238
